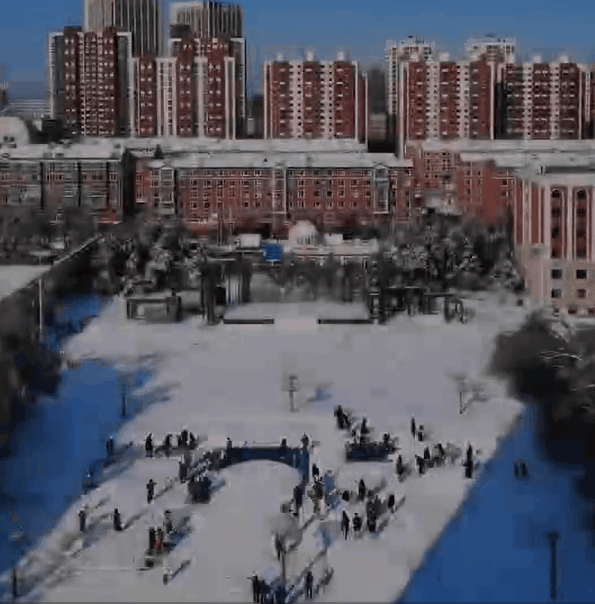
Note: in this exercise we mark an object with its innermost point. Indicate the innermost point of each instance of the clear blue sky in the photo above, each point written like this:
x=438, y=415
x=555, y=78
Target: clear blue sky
x=543, y=27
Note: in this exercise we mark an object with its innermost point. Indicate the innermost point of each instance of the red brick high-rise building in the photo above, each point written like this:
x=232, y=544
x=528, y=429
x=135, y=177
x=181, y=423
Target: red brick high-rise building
x=193, y=92
x=315, y=99
x=90, y=80
x=544, y=101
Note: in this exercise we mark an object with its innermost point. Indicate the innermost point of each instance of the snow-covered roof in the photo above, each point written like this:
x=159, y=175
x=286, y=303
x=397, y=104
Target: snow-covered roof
x=96, y=150
x=169, y=144
x=15, y=127
x=290, y=160
x=13, y=278
x=510, y=146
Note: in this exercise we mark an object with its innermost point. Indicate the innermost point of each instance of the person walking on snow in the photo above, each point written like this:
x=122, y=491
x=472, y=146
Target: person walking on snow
x=167, y=445
x=400, y=467
x=470, y=453
x=361, y=490
x=151, y=490
x=278, y=546
x=391, y=502
x=255, y=588
x=82, y=519
x=117, y=520
x=345, y=524
x=357, y=523
x=309, y=584
x=149, y=445
x=315, y=471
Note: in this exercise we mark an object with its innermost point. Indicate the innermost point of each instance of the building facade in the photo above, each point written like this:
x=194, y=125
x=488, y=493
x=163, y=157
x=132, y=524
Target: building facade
x=554, y=234
x=244, y=191
x=144, y=19
x=55, y=179
x=315, y=99
x=544, y=101
x=90, y=80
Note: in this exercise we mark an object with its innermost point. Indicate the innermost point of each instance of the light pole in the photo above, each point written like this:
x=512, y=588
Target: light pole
x=292, y=389
x=124, y=396
x=553, y=537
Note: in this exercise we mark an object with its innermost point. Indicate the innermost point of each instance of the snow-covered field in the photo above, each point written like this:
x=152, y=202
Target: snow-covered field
x=227, y=381
x=14, y=277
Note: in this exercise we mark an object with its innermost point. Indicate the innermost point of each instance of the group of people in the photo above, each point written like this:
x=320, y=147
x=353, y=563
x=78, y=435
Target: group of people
x=520, y=469
x=116, y=517
x=158, y=536
x=185, y=440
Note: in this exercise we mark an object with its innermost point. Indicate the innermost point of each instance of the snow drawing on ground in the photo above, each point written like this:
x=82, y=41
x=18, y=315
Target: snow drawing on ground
x=228, y=386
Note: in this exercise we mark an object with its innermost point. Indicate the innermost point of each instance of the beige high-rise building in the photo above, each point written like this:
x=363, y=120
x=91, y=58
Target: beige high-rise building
x=208, y=19
x=143, y=18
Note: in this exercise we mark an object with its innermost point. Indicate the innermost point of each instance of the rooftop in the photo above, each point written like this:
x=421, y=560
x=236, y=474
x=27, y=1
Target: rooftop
x=169, y=144
x=295, y=160
x=516, y=146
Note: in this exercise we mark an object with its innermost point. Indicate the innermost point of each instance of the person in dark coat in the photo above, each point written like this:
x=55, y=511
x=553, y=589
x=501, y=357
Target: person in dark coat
x=361, y=491
x=82, y=519
x=184, y=437
x=413, y=428
x=278, y=546
x=420, y=434
x=151, y=490
x=345, y=524
x=158, y=539
x=149, y=445
x=440, y=453
x=427, y=455
x=255, y=588
x=168, y=524
x=339, y=417
x=263, y=591
x=167, y=445
x=152, y=535
x=400, y=467
x=192, y=441
x=391, y=502
x=182, y=471
x=309, y=584
x=371, y=521
x=357, y=523
x=364, y=428
x=386, y=440
x=468, y=469
x=470, y=453
x=117, y=520
x=421, y=465
x=315, y=471
x=298, y=497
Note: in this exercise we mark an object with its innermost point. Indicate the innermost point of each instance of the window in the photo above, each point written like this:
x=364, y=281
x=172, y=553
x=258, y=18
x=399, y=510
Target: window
x=581, y=273
x=557, y=273
x=207, y=205
x=246, y=204
x=556, y=293
x=581, y=293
